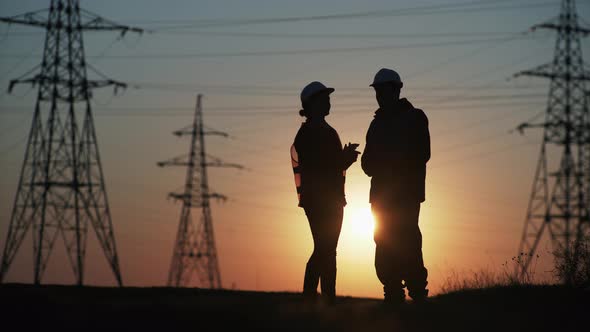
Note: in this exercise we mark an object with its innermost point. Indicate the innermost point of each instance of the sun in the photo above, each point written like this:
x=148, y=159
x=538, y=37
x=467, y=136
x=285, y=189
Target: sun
x=357, y=234
x=362, y=222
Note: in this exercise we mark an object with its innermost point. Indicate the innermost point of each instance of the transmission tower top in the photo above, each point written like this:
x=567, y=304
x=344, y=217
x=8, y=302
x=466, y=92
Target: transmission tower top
x=569, y=32
x=57, y=21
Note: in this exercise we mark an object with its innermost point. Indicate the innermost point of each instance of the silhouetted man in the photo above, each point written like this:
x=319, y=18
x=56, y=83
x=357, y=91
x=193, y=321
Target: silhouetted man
x=395, y=156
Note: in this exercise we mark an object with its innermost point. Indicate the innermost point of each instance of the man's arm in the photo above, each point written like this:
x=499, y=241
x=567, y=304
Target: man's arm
x=424, y=137
x=418, y=151
x=370, y=154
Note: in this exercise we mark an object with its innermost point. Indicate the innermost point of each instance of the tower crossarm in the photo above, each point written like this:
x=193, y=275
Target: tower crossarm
x=104, y=83
x=90, y=84
x=35, y=18
x=584, y=127
x=90, y=21
x=179, y=196
x=217, y=196
x=546, y=71
x=521, y=127
x=175, y=161
x=96, y=22
x=216, y=162
x=196, y=199
x=561, y=27
x=189, y=131
x=222, y=164
x=216, y=133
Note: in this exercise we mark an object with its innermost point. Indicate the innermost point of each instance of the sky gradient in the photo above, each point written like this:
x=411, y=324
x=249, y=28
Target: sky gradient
x=457, y=65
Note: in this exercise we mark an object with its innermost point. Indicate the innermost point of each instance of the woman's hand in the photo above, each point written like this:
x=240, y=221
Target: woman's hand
x=350, y=154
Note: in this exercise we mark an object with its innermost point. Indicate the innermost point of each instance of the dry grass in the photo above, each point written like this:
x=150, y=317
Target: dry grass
x=572, y=266
x=490, y=278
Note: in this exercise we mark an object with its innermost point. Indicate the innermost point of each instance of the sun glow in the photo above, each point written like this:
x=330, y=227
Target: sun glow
x=362, y=222
x=356, y=249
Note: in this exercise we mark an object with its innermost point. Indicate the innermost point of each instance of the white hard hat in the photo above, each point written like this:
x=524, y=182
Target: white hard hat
x=385, y=75
x=313, y=88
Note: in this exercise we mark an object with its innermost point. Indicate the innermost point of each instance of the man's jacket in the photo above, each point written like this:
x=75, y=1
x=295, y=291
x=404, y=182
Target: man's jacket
x=396, y=152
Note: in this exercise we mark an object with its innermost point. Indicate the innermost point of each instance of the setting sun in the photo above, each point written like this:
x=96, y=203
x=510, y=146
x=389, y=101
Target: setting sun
x=362, y=222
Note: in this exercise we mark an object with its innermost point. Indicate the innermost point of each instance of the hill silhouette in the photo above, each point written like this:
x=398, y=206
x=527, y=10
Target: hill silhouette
x=522, y=308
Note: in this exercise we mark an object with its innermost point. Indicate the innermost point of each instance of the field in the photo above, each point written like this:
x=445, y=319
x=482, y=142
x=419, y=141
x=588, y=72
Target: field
x=530, y=308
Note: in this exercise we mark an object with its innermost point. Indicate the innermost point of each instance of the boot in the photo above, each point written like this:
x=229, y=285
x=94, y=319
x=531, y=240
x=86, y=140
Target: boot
x=394, y=296
x=418, y=291
x=328, y=286
x=311, y=281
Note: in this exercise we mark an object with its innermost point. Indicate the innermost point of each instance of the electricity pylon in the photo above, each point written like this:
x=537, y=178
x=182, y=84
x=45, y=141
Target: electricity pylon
x=61, y=187
x=194, y=250
x=560, y=199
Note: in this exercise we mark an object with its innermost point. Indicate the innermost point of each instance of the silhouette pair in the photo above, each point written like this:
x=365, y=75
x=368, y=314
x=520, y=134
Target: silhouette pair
x=395, y=155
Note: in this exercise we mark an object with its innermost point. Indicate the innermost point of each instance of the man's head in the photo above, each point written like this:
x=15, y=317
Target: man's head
x=387, y=84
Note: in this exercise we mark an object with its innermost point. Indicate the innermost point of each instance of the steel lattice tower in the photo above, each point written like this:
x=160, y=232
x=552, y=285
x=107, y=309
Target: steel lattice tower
x=194, y=250
x=560, y=199
x=61, y=189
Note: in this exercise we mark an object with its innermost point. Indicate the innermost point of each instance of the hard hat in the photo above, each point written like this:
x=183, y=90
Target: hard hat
x=312, y=89
x=385, y=75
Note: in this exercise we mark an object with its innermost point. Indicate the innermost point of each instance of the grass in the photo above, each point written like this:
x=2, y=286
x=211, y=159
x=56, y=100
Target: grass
x=572, y=266
x=493, y=278
x=481, y=300
x=506, y=308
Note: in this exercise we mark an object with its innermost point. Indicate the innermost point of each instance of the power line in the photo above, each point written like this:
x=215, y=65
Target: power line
x=483, y=74
x=335, y=104
x=308, y=51
x=448, y=61
x=481, y=155
x=282, y=110
x=463, y=7
x=247, y=89
x=473, y=108
x=292, y=91
x=336, y=50
x=340, y=35
x=478, y=123
x=450, y=34
x=459, y=146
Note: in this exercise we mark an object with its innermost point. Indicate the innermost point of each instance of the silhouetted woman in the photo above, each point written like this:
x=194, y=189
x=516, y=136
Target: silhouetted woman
x=319, y=166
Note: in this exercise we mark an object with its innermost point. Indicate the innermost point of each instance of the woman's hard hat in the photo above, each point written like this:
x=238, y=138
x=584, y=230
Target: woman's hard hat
x=312, y=89
x=385, y=75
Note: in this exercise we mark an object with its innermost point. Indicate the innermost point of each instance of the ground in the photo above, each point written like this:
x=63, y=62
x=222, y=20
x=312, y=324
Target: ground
x=531, y=308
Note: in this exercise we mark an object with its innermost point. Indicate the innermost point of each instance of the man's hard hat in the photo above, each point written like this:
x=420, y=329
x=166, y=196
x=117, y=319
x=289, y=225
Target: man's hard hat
x=312, y=89
x=385, y=75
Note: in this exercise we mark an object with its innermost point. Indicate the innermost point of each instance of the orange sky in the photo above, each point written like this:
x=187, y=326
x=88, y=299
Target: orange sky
x=478, y=180
x=472, y=217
